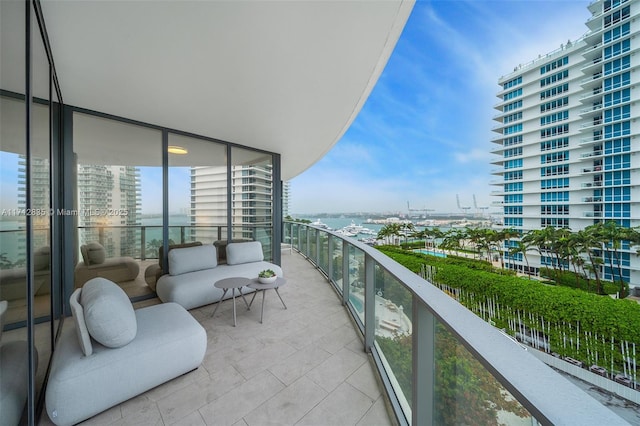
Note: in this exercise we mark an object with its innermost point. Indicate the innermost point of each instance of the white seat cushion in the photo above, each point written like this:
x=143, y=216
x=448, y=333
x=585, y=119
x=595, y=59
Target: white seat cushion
x=238, y=253
x=191, y=259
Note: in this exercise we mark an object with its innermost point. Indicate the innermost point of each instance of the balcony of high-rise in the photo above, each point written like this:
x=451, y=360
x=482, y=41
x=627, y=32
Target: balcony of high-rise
x=257, y=91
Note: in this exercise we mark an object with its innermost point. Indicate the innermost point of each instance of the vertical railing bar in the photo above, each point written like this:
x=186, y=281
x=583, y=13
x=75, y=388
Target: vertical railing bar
x=423, y=361
x=345, y=271
x=369, y=302
x=330, y=242
x=317, y=259
x=143, y=243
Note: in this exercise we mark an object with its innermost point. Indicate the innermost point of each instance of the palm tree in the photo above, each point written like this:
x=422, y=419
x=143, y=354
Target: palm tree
x=522, y=247
x=390, y=230
x=611, y=236
x=588, y=242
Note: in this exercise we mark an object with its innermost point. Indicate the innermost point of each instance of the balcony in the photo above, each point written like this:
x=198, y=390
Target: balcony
x=333, y=357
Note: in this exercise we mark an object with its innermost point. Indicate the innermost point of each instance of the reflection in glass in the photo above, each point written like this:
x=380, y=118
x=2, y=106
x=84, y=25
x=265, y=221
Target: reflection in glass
x=252, y=198
x=393, y=332
x=197, y=192
x=465, y=392
x=356, y=280
x=119, y=194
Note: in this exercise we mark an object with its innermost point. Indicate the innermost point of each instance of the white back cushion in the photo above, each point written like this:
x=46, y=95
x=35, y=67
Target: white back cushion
x=238, y=253
x=108, y=313
x=190, y=259
x=81, y=327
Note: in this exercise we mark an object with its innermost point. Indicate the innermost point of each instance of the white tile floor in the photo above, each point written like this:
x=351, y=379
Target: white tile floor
x=304, y=366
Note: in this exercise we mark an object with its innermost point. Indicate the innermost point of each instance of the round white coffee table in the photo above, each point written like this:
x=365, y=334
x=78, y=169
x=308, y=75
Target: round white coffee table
x=258, y=286
x=233, y=284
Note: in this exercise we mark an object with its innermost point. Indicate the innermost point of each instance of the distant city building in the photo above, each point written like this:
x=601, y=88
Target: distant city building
x=251, y=203
x=567, y=134
x=109, y=208
x=286, y=197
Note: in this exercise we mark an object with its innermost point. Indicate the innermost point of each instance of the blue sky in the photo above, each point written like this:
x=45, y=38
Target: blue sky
x=424, y=134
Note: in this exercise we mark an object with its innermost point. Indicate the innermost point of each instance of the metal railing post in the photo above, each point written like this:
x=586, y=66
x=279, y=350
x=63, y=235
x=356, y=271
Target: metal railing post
x=330, y=256
x=423, y=361
x=369, y=303
x=345, y=272
x=143, y=242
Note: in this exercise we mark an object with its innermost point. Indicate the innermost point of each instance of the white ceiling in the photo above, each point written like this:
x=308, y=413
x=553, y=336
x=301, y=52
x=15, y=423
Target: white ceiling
x=282, y=76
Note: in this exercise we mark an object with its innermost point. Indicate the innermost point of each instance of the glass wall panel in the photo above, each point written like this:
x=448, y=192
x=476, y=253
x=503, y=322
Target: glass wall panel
x=197, y=191
x=119, y=178
x=465, y=392
x=40, y=205
x=323, y=252
x=335, y=253
x=356, y=280
x=393, y=331
x=313, y=244
x=13, y=238
x=252, y=197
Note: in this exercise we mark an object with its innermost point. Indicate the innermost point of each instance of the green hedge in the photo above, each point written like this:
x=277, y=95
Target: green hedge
x=597, y=314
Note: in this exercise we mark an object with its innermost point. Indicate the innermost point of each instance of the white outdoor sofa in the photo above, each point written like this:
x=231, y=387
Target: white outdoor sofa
x=112, y=353
x=194, y=270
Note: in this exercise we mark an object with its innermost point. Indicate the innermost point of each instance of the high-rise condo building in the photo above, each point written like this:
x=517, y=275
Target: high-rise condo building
x=568, y=135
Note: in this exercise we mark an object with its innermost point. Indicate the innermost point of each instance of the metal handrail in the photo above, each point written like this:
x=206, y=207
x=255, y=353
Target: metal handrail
x=527, y=378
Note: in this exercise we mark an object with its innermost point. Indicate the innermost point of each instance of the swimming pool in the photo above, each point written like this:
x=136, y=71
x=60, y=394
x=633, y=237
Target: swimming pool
x=430, y=252
x=356, y=302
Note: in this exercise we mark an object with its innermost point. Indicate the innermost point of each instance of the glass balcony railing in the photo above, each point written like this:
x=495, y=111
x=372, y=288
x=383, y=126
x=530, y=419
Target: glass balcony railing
x=439, y=363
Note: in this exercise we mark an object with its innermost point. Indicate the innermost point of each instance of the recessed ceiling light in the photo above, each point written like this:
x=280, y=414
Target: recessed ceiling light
x=174, y=149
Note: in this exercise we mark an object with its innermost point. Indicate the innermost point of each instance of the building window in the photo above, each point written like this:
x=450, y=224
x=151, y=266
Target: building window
x=512, y=94
x=513, y=164
x=617, y=81
x=617, y=129
x=512, y=117
x=620, y=193
x=513, y=187
x=553, y=78
x=553, y=131
x=618, y=178
x=617, y=162
x=512, y=140
x=513, y=129
x=618, y=97
x=554, y=157
x=556, y=222
x=512, y=106
x=554, y=91
x=617, y=16
x=617, y=210
x=554, y=197
x=552, y=118
x=554, y=183
x=513, y=210
x=513, y=152
x=617, y=49
x=555, y=209
x=617, y=65
x=555, y=64
x=516, y=175
x=555, y=170
x=511, y=83
x=617, y=145
x=616, y=33
x=558, y=103
x=554, y=144
x=513, y=199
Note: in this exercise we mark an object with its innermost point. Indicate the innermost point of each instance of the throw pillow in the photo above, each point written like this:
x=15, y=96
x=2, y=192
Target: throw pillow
x=96, y=253
x=108, y=313
x=81, y=327
x=238, y=253
x=190, y=259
